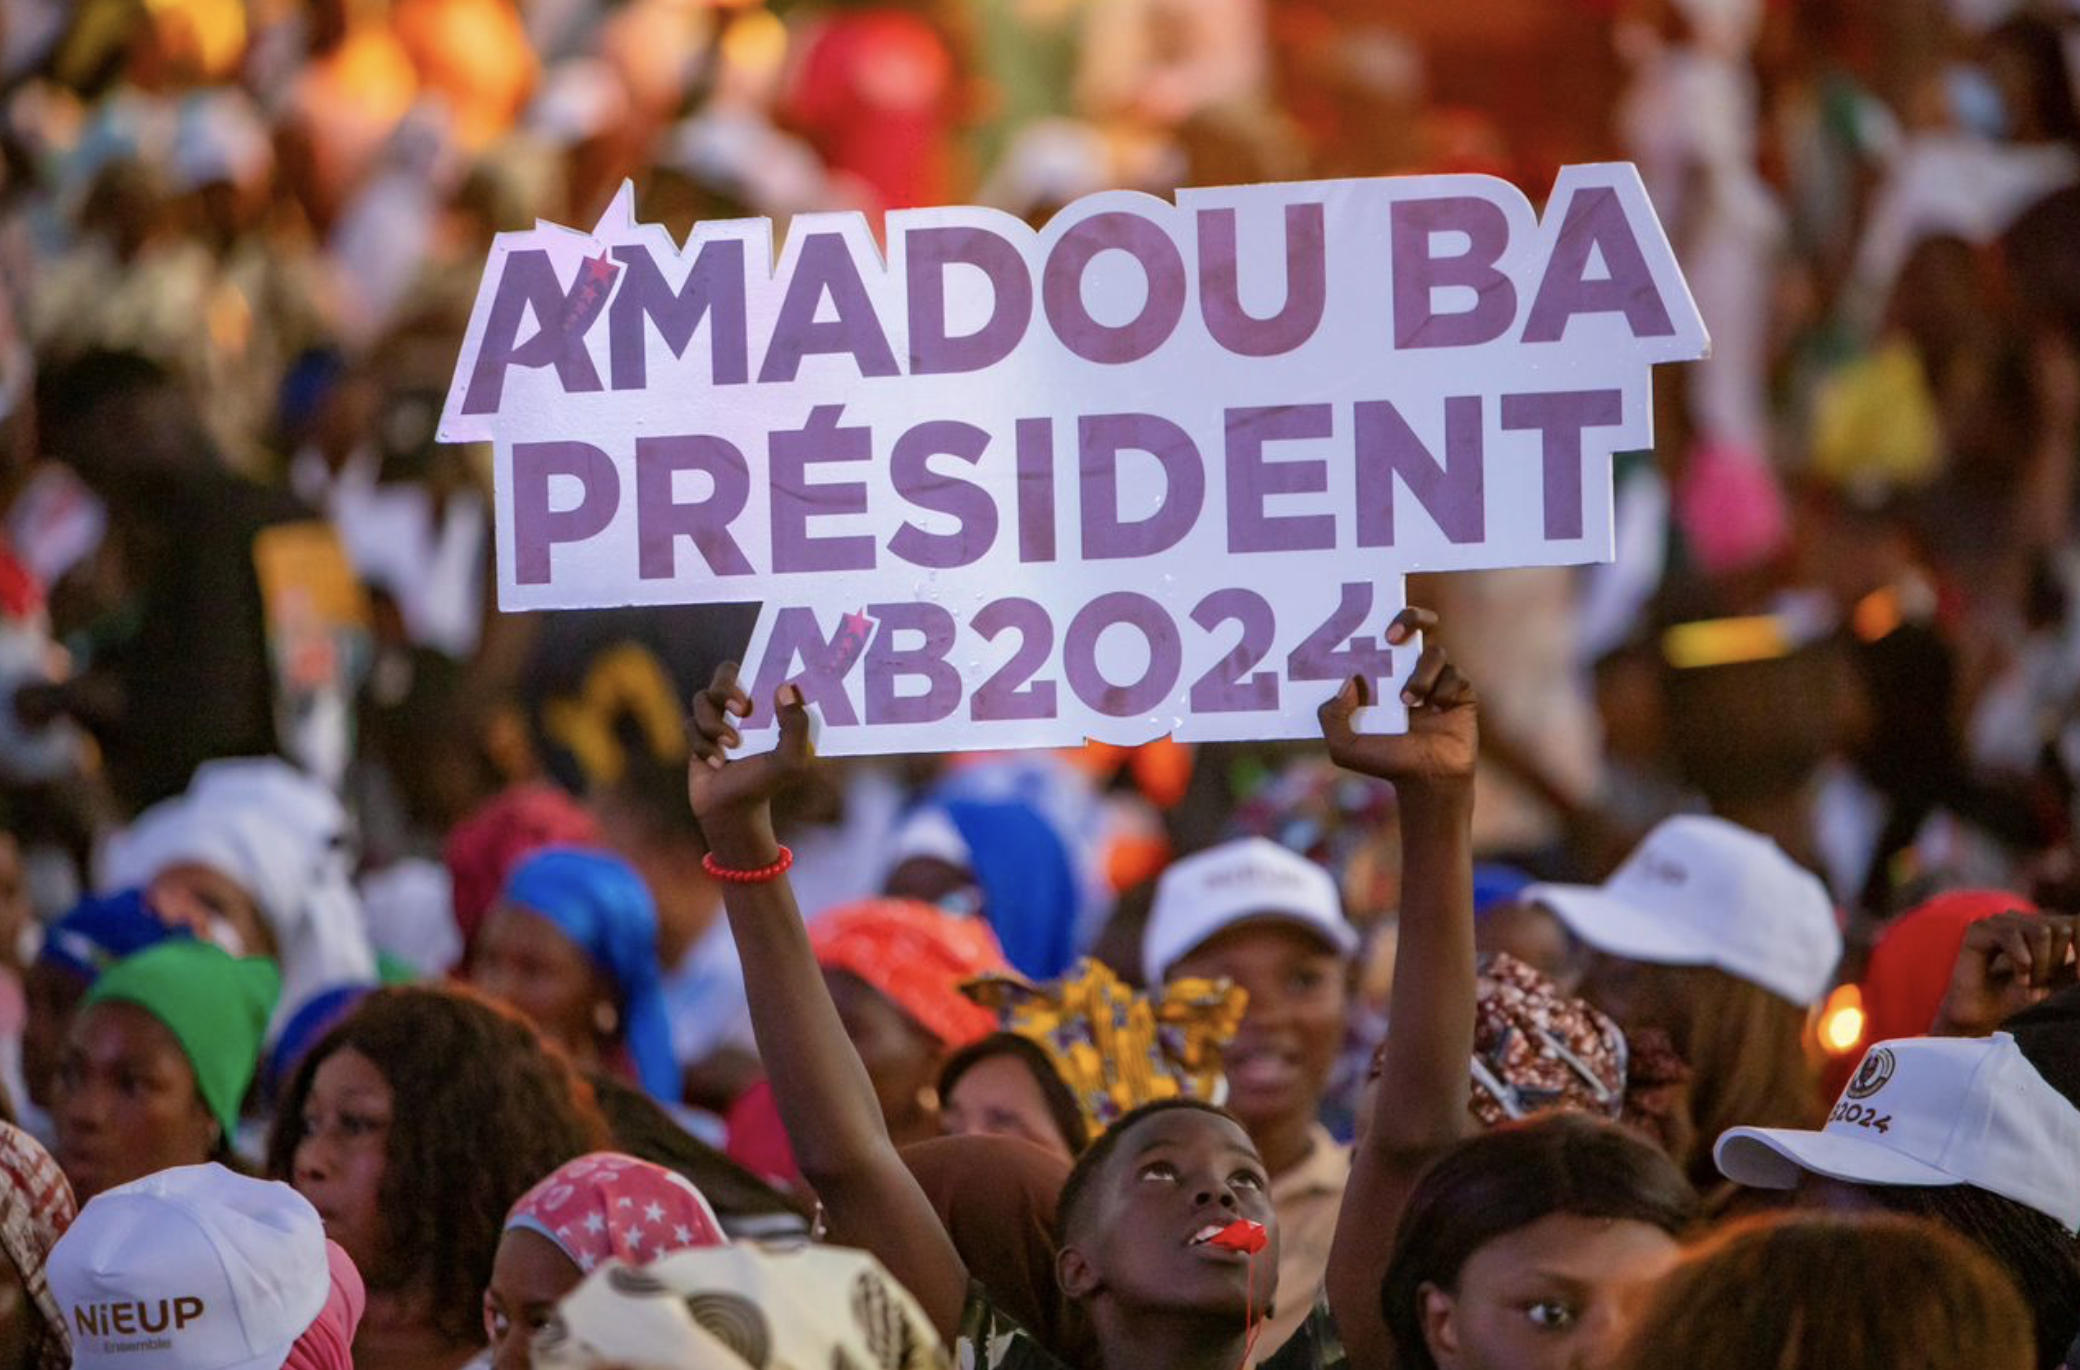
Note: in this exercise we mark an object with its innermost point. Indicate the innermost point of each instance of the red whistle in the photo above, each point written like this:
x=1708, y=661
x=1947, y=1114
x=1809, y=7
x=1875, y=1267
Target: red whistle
x=1241, y=1235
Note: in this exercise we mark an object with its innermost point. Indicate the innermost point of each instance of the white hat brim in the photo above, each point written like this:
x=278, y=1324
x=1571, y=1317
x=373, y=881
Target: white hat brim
x=1773, y=1157
x=1617, y=926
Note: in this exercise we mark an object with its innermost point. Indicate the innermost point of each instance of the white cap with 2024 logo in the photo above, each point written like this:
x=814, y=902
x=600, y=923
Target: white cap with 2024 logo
x=1931, y=1111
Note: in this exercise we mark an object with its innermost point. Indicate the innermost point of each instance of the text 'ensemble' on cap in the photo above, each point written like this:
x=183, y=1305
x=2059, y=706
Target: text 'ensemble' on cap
x=193, y=1268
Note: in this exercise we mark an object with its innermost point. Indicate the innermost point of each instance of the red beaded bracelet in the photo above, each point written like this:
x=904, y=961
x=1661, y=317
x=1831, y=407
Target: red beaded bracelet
x=757, y=877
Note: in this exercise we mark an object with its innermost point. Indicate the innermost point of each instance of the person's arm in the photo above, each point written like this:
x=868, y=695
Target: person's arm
x=1419, y=1105
x=825, y=1099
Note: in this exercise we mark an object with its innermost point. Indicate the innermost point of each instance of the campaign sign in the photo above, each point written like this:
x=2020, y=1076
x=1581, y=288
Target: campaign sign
x=1154, y=468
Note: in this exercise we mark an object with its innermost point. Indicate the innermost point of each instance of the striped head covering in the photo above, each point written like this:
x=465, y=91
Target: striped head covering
x=35, y=1210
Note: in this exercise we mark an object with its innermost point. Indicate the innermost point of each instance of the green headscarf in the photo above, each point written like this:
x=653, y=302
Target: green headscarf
x=215, y=1004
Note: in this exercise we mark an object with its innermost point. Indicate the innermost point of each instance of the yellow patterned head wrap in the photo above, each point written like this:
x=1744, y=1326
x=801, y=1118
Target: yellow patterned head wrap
x=1115, y=1047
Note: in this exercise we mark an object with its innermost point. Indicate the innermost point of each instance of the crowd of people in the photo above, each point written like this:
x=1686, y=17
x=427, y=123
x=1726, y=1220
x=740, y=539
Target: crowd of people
x=391, y=983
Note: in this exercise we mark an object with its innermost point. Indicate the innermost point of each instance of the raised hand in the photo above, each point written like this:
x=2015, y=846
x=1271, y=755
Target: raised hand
x=1443, y=734
x=734, y=799
x=2007, y=963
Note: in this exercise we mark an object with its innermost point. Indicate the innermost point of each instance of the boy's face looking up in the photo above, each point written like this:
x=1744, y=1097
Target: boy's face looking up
x=1156, y=1191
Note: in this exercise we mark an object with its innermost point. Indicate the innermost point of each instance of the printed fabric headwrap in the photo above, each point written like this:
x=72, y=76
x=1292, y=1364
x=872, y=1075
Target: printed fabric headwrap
x=917, y=956
x=1536, y=1051
x=598, y=901
x=1115, y=1047
x=34, y=1213
x=741, y=1306
x=607, y=1206
x=281, y=836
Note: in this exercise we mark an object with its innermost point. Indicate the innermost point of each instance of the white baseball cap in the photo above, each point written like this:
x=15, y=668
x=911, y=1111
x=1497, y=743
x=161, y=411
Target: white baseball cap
x=1701, y=891
x=1250, y=880
x=1931, y=1111
x=194, y=1268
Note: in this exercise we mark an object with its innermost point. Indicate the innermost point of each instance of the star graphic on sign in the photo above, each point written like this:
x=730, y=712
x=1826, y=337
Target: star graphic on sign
x=635, y=1239
x=682, y=1235
x=655, y=1212
x=595, y=1224
x=587, y=1261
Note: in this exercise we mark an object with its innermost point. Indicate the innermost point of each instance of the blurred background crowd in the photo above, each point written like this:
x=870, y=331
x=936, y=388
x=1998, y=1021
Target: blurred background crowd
x=239, y=240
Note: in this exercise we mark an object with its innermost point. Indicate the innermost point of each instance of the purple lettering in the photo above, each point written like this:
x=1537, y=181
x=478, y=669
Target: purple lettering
x=1220, y=289
x=1251, y=479
x=887, y=663
x=1561, y=418
x=1596, y=222
x=796, y=501
x=1080, y=654
x=1036, y=489
x=1418, y=275
x=1453, y=494
x=825, y=267
x=821, y=679
x=916, y=481
x=929, y=251
x=1229, y=686
x=662, y=520
x=537, y=527
x=714, y=290
x=1100, y=440
x=1061, y=288
x=1012, y=693
x=528, y=285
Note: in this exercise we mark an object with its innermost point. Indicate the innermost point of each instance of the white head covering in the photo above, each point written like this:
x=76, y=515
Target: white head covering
x=737, y=1306
x=281, y=836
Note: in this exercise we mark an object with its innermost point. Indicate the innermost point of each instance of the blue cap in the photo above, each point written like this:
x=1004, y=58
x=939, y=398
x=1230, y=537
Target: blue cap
x=96, y=933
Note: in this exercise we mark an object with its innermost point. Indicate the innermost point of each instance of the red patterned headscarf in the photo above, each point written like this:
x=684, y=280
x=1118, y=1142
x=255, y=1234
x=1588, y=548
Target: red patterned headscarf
x=34, y=1212
x=484, y=847
x=609, y=1205
x=917, y=956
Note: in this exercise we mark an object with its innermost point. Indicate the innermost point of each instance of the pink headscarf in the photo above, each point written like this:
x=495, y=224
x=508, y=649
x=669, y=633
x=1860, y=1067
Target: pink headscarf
x=609, y=1205
x=484, y=847
x=36, y=1206
x=328, y=1343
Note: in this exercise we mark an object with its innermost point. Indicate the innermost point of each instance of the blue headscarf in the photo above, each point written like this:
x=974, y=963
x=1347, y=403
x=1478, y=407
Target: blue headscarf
x=96, y=933
x=1029, y=889
x=599, y=902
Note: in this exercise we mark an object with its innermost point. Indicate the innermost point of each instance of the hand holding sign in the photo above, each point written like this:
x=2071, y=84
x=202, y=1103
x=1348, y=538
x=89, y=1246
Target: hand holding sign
x=1442, y=740
x=1153, y=469
x=733, y=801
